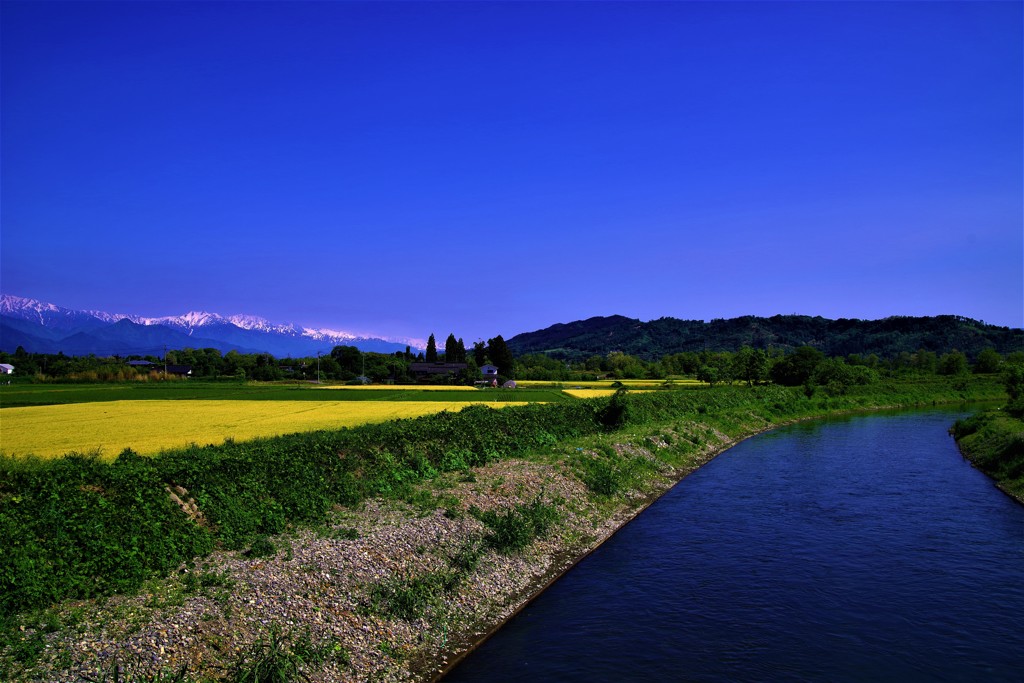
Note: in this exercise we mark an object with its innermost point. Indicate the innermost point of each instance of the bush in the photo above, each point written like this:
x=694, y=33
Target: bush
x=601, y=477
x=616, y=413
x=410, y=597
x=516, y=528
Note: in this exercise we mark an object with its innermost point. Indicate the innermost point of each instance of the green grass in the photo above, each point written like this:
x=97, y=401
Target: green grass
x=994, y=442
x=17, y=395
x=512, y=530
x=59, y=394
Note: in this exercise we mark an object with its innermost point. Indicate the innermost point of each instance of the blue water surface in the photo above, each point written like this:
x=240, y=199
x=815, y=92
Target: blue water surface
x=850, y=549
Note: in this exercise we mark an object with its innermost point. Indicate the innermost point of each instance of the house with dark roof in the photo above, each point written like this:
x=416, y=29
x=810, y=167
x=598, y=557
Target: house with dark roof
x=424, y=372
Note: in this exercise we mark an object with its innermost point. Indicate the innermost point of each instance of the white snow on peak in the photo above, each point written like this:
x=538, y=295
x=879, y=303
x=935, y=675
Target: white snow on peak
x=46, y=314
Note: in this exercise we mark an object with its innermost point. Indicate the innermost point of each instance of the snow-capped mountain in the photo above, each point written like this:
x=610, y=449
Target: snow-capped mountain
x=47, y=328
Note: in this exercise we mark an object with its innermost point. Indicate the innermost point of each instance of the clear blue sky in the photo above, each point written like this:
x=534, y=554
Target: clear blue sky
x=494, y=168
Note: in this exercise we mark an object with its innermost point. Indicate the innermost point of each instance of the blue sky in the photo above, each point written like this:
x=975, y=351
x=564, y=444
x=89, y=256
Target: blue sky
x=494, y=168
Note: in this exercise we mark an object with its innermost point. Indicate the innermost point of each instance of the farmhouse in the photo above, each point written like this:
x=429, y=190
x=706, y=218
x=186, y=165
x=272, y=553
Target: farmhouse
x=428, y=371
x=489, y=372
x=180, y=370
x=6, y=369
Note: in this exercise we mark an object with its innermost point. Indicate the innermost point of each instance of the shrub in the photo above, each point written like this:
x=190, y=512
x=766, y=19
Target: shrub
x=601, y=477
x=410, y=597
x=616, y=413
x=261, y=547
x=517, y=527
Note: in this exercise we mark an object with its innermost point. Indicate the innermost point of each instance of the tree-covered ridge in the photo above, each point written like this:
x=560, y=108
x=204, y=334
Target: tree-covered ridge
x=886, y=338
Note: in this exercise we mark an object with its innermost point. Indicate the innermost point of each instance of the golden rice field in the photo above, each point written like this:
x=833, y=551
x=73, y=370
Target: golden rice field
x=607, y=383
x=398, y=387
x=148, y=427
x=599, y=393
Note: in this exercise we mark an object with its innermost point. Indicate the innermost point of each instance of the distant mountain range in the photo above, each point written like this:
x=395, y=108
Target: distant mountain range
x=886, y=338
x=46, y=328
x=41, y=327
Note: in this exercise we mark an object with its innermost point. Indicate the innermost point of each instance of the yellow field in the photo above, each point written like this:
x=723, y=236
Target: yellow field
x=398, y=387
x=147, y=427
x=607, y=383
x=598, y=393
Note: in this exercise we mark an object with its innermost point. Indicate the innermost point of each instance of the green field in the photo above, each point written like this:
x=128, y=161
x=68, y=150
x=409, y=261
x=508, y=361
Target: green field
x=19, y=395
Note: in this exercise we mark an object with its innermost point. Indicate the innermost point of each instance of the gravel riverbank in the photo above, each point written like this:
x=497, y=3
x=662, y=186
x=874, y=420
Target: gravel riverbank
x=310, y=603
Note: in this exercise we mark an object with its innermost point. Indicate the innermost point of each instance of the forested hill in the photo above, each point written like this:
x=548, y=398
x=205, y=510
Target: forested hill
x=651, y=340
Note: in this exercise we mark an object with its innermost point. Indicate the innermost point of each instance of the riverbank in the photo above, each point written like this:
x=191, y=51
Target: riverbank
x=317, y=589
x=994, y=443
x=396, y=588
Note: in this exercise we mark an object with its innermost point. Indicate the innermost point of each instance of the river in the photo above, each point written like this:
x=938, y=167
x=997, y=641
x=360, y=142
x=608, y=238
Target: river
x=850, y=549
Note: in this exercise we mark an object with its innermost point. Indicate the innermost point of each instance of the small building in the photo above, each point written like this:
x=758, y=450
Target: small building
x=6, y=369
x=429, y=371
x=180, y=370
x=489, y=372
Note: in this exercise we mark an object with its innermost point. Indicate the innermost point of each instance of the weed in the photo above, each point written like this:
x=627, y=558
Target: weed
x=270, y=660
x=26, y=649
x=114, y=672
x=601, y=477
x=346, y=534
x=466, y=557
x=194, y=581
x=261, y=547
x=410, y=597
x=516, y=528
x=390, y=650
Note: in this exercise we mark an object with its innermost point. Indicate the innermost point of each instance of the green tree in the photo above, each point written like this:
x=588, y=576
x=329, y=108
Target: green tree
x=953, y=363
x=431, y=349
x=925, y=361
x=988, y=361
x=501, y=356
x=709, y=374
x=480, y=353
x=1013, y=380
x=749, y=365
x=798, y=367
x=349, y=359
x=624, y=366
x=451, y=350
x=715, y=367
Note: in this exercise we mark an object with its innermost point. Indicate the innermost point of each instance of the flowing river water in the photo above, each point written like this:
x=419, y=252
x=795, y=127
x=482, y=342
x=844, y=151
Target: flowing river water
x=850, y=549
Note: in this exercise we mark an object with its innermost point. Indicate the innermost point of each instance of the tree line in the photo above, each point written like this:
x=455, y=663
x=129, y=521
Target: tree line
x=805, y=366
x=342, y=363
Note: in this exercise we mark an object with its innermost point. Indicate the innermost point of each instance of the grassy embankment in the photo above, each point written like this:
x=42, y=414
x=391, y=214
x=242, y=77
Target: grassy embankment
x=993, y=441
x=77, y=527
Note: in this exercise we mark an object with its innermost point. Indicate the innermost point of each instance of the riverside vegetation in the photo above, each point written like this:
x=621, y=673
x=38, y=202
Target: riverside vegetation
x=77, y=529
x=994, y=439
